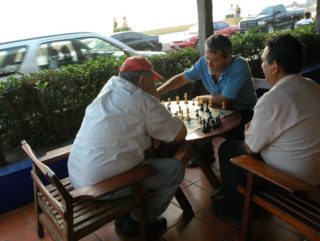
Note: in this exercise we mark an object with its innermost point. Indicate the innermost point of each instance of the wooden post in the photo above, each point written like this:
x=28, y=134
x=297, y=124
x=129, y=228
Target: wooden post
x=205, y=22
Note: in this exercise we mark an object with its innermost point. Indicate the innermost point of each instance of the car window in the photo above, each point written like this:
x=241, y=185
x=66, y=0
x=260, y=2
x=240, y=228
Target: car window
x=93, y=47
x=52, y=55
x=220, y=25
x=10, y=60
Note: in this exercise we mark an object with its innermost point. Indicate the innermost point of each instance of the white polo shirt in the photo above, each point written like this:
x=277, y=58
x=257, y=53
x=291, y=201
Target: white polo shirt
x=285, y=128
x=116, y=130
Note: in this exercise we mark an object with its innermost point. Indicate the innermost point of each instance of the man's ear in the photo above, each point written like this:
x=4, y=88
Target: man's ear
x=275, y=67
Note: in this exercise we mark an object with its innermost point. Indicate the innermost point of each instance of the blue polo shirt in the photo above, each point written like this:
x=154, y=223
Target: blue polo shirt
x=235, y=82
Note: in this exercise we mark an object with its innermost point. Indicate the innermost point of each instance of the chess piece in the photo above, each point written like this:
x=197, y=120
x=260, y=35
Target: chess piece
x=223, y=105
x=207, y=104
x=201, y=107
x=169, y=100
x=177, y=100
x=210, y=116
x=193, y=102
x=188, y=115
x=181, y=112
x=197, y=113
x=185, y=98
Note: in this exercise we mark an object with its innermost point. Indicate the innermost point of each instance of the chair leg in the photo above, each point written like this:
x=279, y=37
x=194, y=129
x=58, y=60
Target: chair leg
x=184, y=202
x=39, y=226
x=246, y=225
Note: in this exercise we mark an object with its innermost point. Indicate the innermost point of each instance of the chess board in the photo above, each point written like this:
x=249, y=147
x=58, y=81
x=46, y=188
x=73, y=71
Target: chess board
x=193, y=122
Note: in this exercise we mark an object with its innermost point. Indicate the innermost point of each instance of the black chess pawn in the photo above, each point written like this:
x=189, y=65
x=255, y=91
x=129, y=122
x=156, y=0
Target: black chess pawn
x=213, y=123
x=210, y=116
x=179, y=109
x=207, y=105
x=218, y=121
x=197, y=113
x=206, y=127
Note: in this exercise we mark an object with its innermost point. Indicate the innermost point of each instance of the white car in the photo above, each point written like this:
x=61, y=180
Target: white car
x=51, y=52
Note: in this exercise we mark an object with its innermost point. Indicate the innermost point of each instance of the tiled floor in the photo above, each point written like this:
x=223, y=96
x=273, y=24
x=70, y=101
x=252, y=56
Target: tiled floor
x=19, y=224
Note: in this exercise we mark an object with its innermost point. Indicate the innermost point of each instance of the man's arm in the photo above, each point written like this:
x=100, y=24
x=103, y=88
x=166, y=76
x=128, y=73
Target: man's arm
x=181, y=134
x=174, y=83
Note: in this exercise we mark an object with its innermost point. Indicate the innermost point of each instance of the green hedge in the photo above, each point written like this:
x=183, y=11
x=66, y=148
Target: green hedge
x=47, y=107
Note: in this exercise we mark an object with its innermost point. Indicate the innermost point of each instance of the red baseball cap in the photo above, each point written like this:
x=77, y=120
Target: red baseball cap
x=139, y=63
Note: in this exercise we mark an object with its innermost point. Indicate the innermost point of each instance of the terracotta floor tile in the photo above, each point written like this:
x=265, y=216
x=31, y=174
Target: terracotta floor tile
x=12, y=223
x=226, y=226
x=195, y=230
x=30, y=213
x=108, y=232
x=204, y=183
x=198, y=197
x=193, y=174
x=264, y=230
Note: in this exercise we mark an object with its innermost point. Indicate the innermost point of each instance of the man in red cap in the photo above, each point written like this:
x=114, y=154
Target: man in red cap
x=118, y=127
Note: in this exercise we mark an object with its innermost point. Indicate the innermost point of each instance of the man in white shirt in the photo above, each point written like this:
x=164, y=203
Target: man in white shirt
x=121, y=123
x=285, y=126
x=306, y=20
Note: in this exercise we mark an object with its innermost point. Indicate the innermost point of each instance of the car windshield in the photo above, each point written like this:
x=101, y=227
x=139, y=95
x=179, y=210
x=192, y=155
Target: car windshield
x=266, y=11
x=97, y=45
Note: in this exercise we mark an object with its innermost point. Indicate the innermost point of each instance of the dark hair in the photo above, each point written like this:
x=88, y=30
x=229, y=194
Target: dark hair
x=307, y=15
x=217, y=43
x=287, y=51
x=133, y=75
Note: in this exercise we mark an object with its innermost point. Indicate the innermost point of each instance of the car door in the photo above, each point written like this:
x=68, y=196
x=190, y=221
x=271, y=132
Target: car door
x=280, y=17
x=134, y=40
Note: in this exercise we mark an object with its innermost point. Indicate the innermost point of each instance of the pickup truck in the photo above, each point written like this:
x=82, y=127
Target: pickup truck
x=272, y=18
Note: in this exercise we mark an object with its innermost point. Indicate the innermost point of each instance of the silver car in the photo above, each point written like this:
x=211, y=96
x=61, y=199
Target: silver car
x=52, y=52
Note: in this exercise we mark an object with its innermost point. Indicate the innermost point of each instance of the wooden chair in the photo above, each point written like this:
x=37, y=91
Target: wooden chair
x=72, y=214
x=297, y=204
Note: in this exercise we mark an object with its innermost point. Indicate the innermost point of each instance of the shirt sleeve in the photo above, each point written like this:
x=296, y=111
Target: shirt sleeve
x=194, y=73
x=236, y=79
x=161, y=124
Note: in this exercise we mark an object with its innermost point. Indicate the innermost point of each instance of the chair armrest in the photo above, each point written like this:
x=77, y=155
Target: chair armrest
x=273, y=175
x=56, y=155
x=114, y=183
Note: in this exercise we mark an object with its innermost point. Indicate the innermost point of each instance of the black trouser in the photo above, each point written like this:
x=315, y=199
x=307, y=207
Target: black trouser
x=231, y=175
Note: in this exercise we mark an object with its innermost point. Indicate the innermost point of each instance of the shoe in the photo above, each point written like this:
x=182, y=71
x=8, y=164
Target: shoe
x=131, y=228
x=157, y=228
x=217, y=194
x=118, y=222
x=193, y=163
x=224, y=209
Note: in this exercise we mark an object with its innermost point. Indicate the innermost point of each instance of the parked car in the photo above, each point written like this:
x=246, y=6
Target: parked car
x=139, y=41
x=51, y=52
x=272, y=18
x=191, y=38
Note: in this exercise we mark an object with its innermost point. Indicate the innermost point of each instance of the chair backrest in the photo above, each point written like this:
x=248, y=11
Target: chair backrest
x=40, y=170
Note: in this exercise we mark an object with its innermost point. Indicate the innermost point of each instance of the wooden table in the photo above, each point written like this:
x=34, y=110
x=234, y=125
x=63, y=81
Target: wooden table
x=198, y=138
